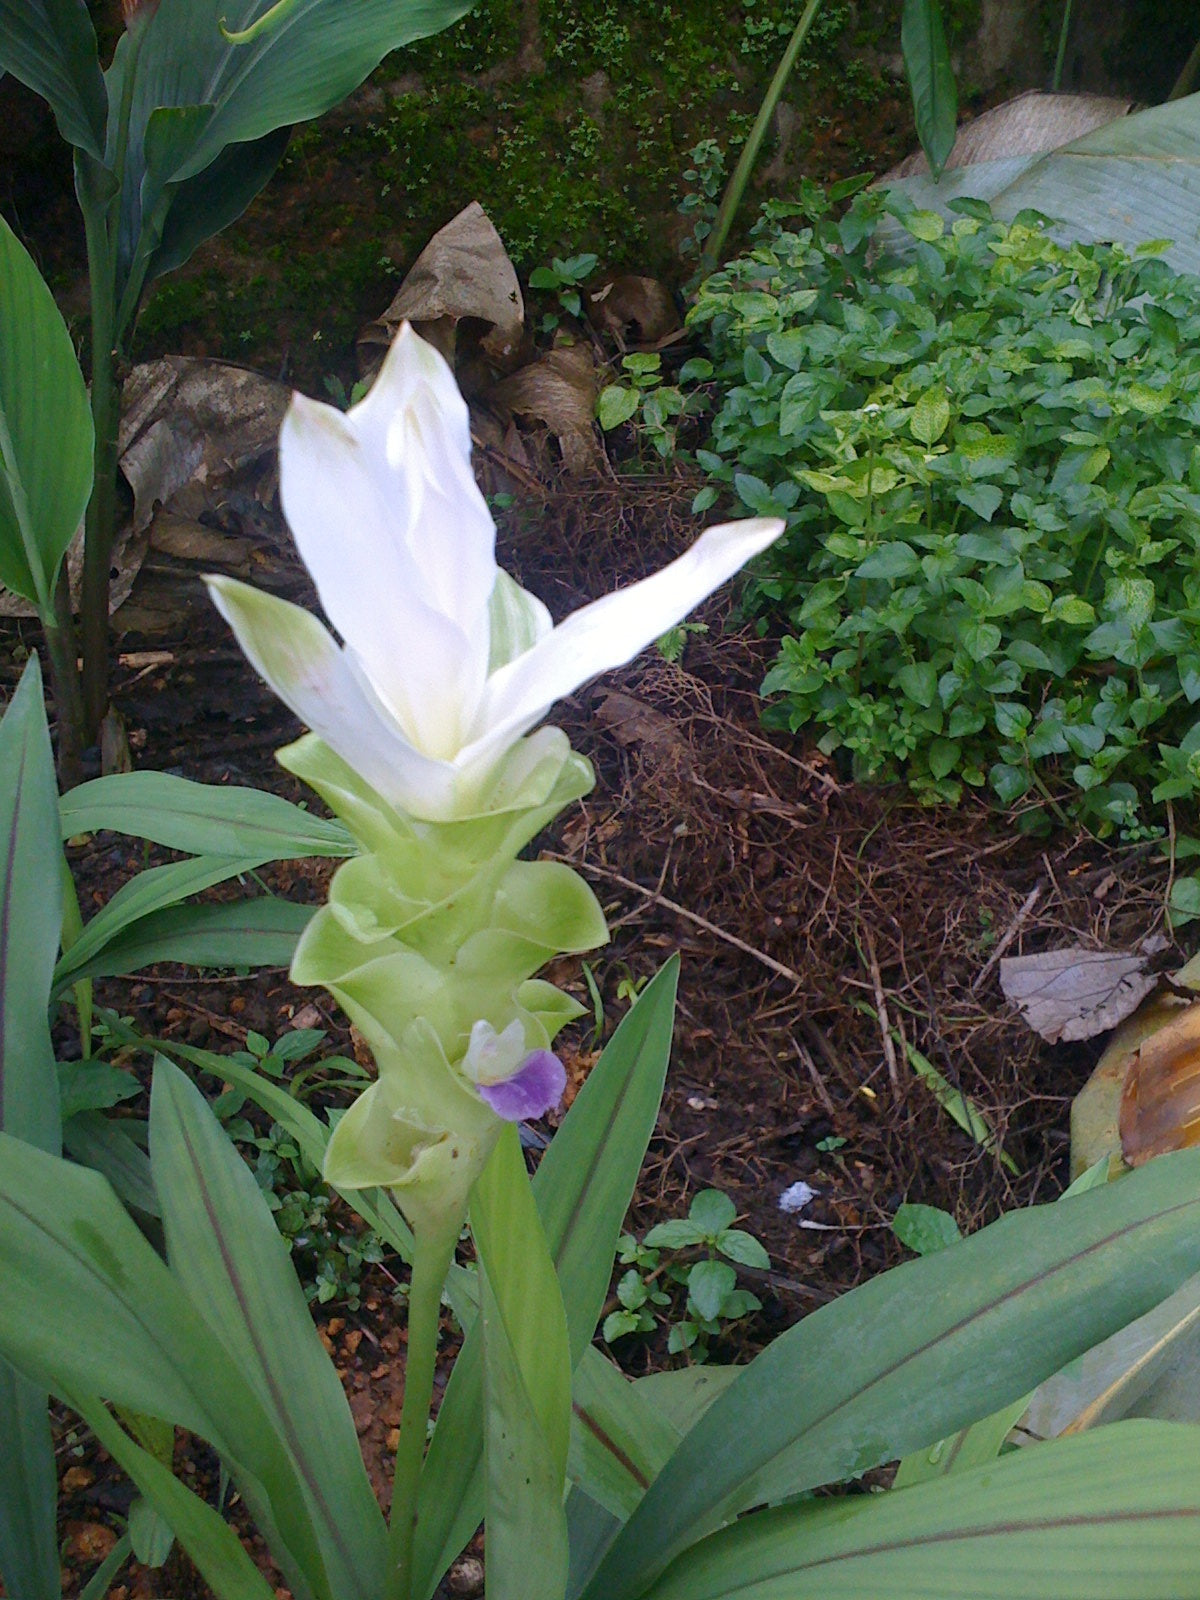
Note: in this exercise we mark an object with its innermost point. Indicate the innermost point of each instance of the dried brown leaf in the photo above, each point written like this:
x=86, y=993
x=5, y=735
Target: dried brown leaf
x=1075, y=993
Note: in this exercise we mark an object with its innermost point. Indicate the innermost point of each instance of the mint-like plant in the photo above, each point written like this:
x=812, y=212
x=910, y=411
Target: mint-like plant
x=985, y=452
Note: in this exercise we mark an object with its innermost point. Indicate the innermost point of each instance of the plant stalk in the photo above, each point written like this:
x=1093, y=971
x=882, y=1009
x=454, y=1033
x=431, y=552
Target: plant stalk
x=59, y=629
x=1063, y=35
x=433, y=1253
x=740, y=177
x=1186, y=81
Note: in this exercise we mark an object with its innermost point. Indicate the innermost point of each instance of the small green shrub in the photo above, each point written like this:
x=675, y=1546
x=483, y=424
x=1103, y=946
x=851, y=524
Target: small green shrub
x=986, y=453
x=676, y=1275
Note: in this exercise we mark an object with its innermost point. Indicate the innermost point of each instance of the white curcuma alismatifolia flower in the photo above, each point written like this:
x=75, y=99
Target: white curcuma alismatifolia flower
x=446, y=661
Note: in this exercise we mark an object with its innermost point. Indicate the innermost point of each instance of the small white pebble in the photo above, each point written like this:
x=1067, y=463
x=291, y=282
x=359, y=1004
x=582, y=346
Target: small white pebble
x=796, y=1196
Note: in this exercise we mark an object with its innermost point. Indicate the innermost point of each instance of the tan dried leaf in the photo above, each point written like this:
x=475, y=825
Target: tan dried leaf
x=1075, y=993
x=464, y=271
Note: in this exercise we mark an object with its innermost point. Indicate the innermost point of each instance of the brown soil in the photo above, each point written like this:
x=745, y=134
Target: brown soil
x=806, y=909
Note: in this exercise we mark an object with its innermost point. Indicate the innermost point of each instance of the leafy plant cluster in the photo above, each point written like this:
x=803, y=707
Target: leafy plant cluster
x=676, y=1274
x=984, y=447
x=329, y=1256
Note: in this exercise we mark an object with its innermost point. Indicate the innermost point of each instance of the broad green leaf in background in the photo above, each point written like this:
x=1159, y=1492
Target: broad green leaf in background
x=196, y=92
x=224, y=1248
x=218, y=1553
x=1113, y=1515
x=45, y=429
x=1134, y=180
x=526, y=1384
x=90, y=1309
x=245, y=933
x=917, y=1354
x=931, y=78
x=151, y=891
x=200, y=818
x=50, y=45
x=30, y=859
x=583, y=1187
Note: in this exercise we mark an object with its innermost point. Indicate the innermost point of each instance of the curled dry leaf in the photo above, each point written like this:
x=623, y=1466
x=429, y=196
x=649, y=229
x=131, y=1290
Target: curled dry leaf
x=1075, y=993
x=192, y=432
x=559, y=390
x=1160, y=1101
x=463, y=272
x=1030, y=124
x=637, y=313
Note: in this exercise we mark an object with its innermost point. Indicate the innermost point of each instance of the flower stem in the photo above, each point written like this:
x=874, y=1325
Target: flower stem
x=434, y=1252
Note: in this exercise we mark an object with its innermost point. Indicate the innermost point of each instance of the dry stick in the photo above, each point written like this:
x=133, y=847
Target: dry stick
x=1009, y=934
x=689, y=916
x=881, y=1012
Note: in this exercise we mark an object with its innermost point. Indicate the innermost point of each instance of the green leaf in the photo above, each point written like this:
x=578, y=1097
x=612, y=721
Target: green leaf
x=45, y=430
x=107, y=1145
x=225, y=1250
x=200, y=818
x=918, y=681
x=50, y=45
x=709, y=1282
x=677, y=1233
x=924, y=1229
x=916, y=1354
x=737, y=1245
x=218, y=1553
x=245, y=933
x=151, y=891
x=296, y=60
x=583, y=1187
x=526, y=1384
x=712, y=1211
x=616, y=405
x=620, y=1437
x=983, y=498
x=931, y=78
x=931, y=416
x=30, y=918
x=28, y=1490
x=893, y=560
x=90, y=1309
x=1110, y=1514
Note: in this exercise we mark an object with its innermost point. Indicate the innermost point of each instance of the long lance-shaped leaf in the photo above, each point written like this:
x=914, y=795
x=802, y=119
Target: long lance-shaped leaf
x=89, y=1307
x=311, y=55
x=218, y=1553
x=30, y=859
x=311, y=1135
x=931, y=78
x=50, y=45
x=526, y=1384
x=1113, y=1515
x=246, y=933
x=151, y=891
x=916, y=1354
x=45, y=429
x=583, y=1188
x=224, y=1247
x=200, y=818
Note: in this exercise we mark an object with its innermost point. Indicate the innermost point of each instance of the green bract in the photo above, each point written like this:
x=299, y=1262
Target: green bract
x=986, y=455
x=434, y=928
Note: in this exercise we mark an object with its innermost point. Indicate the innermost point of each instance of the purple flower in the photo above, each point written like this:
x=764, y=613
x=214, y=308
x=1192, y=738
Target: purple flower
x=533, y=1089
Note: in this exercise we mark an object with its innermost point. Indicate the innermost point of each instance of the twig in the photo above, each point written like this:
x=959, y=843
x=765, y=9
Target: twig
x=818, y=1081
x=688, y=916
x=881, y=1010
x=1009, y=934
